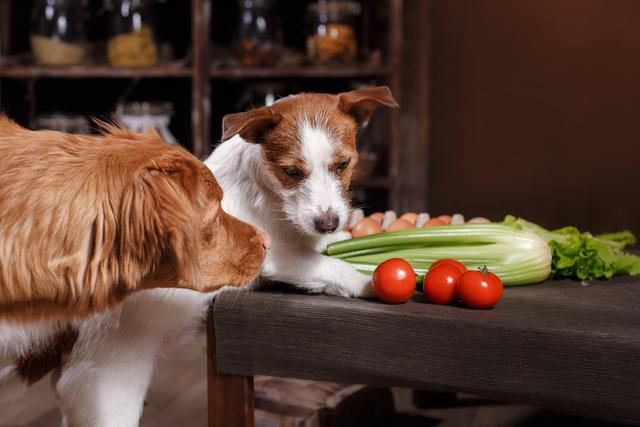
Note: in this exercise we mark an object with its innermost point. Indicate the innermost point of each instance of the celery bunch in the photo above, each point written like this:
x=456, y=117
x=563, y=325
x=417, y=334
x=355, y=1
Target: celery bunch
x=518, y=251
x=518, y=257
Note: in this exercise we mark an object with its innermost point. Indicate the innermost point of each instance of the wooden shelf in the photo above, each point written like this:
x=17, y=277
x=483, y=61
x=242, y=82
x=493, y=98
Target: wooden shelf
x=208, y=65
x=174, y=70
x=309, y=71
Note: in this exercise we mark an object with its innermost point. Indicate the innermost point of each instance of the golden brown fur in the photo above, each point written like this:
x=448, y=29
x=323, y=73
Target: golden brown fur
x=85, y=220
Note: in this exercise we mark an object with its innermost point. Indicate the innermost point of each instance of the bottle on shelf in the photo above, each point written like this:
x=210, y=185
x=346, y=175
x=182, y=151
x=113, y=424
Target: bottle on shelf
x=58, y=32
x=132, y=42
x=138, y=116
x=332, y=31
x=259, y=38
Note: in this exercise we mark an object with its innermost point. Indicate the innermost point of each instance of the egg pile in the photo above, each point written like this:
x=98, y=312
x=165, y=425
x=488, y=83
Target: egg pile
x=378, y=222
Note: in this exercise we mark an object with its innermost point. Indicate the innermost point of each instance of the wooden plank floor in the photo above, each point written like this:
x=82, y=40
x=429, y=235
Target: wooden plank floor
x=178, y=395
x=178, y=398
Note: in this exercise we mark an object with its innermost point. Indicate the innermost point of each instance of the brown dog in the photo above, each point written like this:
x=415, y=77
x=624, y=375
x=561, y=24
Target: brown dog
x=86, y=220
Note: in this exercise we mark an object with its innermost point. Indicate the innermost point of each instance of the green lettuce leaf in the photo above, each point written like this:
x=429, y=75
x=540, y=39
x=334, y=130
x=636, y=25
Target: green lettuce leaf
x=620, y=239
x=584, y=256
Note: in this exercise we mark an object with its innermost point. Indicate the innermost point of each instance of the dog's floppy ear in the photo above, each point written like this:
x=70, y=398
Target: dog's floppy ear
x=361, y=103
x=159, y=221
x=251, y=125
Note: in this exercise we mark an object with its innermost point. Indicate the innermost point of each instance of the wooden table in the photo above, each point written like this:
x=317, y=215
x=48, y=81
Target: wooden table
x=563, y=345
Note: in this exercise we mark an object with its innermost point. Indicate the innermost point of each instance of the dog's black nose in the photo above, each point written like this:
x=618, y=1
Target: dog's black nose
x=327, y=222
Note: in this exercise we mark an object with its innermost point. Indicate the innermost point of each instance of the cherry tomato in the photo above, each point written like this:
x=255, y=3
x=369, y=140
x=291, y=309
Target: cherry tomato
x=480, y=289
x=394, y=281
x=451, y=261
x=441, y=283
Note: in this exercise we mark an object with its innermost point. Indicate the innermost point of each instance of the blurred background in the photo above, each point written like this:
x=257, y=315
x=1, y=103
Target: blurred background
x=526, y=108
x=521, y=107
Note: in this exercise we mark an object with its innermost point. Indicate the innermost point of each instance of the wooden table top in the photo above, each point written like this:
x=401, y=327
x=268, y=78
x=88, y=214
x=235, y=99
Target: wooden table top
x=563, y=345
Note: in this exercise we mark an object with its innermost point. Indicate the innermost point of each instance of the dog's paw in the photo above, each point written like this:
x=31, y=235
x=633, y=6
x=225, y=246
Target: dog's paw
x=326, y=240
x=357, y=285
x=367, y=291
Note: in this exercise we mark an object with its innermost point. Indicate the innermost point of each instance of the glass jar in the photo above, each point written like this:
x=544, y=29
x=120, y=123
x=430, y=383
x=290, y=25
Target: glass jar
x=63, y=122
x=138, y=116
x=58, y=32
x=132, y=41
x=332, y=35
x=259, y=38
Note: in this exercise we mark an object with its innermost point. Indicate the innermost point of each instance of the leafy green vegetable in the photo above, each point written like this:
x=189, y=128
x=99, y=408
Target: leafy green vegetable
x=582, y=255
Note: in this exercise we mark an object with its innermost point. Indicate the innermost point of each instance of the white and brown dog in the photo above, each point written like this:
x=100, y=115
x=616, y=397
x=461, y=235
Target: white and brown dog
x=286, y=169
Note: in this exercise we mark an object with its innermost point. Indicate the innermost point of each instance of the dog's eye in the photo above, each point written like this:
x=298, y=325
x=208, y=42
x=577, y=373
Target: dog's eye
x=293, y=172
x=342, y=165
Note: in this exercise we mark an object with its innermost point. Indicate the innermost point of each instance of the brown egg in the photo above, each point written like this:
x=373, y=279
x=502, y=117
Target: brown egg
x=411, y=217
x=365, y=227
x=445, y=218
x=479, y=220
x=433, y=222
x=378, y=216
x=399, y=224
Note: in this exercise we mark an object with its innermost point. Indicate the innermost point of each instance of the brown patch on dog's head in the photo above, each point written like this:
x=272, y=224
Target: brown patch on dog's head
x=361, y=103
x=90, y=219
x=278, y=128
x=308, y=144
x=250, y=125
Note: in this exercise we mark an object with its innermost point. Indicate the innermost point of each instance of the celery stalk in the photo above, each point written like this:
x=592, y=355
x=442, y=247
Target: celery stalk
x=516, y=256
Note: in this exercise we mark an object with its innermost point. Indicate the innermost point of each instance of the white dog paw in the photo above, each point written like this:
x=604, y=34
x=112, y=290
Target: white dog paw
x=327, y=239
x=367, y=291
x=358, y=287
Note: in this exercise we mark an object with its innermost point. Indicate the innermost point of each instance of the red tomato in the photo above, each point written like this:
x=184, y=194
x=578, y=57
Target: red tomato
x=440, y=284
x=480, y=289
x=451, y=261
x=394, y=281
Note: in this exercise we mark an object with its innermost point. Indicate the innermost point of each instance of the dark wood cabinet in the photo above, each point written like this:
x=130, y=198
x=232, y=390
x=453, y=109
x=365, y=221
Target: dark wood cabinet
x=201, y=91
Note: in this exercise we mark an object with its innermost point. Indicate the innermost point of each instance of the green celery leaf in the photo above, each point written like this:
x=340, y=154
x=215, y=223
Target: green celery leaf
x=618, y=240
x=625, y=237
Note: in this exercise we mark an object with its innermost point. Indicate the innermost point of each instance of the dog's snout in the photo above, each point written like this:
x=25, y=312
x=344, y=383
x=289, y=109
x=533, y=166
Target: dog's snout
x=265, y=239
x=327, y=222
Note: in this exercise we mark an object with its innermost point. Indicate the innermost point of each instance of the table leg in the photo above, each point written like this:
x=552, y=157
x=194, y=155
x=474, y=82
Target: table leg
x=230, y=397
